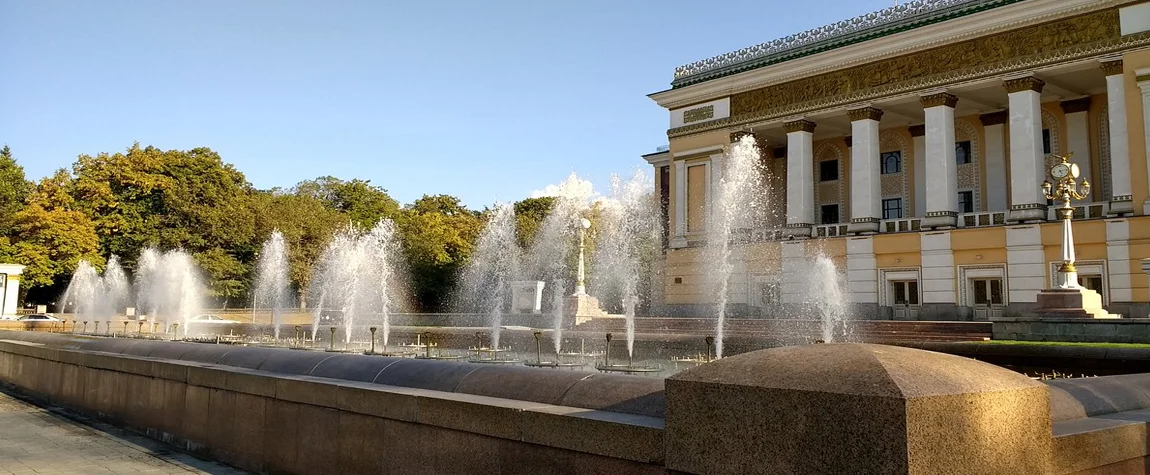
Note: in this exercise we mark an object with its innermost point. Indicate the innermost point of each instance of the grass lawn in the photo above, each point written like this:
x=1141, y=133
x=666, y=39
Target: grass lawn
x=1061, y=343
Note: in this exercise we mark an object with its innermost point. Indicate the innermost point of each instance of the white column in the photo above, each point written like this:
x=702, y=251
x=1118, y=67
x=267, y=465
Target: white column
x=994, y=152
x=866, y=194
x=1143, y=76
x=800, y=177
x=1027, y=162
x=1121, y=189
x=1118, y=260
x=1025, y=263
x=918, y=133
x=937, y=268
x=679, y=237
x=1078, y=138
x=942, y=181
x=862, y=270
x=10, y=291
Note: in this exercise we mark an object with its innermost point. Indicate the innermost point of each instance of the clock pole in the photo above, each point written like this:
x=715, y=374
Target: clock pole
x=1062, y=191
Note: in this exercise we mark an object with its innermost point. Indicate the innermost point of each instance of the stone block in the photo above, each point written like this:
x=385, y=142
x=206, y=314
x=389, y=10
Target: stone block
x=1107, y=394
x=625, y=436
x=251, y=382
x=477, y=414
x=855, y=408
x=360, y=448
x=307, y=390
x=618, y=393
x=318, y=438
x=195, y=426
x=282, y=428
x=1084, y=444
x=206, y=376
x=391, y=402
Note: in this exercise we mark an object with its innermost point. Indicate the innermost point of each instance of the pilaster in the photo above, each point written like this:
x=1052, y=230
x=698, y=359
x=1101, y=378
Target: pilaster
x=1027, y=162
x=1143, y=76
x=918, y=135
x=942, y=181
x=1118, y=264
x=937, y=268
x=800, y=177
x=1025, y=264
x=1122, y=192
x=794, y=268
x=679, y=236
x=862, y=270
x=994, y=152
x=865, y=185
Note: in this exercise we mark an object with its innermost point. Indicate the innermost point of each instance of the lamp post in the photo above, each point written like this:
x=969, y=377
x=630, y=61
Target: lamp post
x=580, y=286
x=1063, y=190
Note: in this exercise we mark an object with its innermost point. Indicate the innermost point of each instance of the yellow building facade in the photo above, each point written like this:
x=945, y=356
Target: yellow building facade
x=909, y=146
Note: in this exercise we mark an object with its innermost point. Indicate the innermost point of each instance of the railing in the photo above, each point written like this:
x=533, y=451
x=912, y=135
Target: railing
x=902, y=225
x=980, y=219
x=1083, y=211
x=830, y=230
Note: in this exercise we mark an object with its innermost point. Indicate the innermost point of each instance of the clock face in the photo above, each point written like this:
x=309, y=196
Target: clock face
x=1074, y=171
x=1060, y=170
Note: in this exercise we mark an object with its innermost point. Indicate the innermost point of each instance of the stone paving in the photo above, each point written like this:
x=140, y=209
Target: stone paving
x=35, y=440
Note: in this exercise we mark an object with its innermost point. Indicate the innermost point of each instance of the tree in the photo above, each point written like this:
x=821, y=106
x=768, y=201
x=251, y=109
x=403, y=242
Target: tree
x=14, y=188
x=438, y=235
x=50, y=237
x=361, y=202
x=307, y=225
x=529, y=216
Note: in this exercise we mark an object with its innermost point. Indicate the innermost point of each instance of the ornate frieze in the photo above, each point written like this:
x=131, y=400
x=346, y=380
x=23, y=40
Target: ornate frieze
x=1053, y=42
x=994, y=118
x=1111, y=68
x=800, y=125
x=1028, y=83
x=865, y=113
x=698, y=113
x=940, y=99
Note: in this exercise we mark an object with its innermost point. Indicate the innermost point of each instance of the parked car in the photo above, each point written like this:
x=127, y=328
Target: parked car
x=209, y=318
x=38, y=317
x=331, y=317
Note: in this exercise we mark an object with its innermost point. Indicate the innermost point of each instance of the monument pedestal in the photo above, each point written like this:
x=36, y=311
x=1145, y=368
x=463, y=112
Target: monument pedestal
x=1074, y=302
x=582, y=307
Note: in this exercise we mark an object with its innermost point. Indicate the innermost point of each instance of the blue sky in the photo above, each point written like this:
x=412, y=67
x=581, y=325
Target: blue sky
x=482, y=100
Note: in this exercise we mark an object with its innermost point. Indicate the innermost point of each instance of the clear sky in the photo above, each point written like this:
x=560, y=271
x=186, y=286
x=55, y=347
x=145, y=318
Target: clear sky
x=484, y=100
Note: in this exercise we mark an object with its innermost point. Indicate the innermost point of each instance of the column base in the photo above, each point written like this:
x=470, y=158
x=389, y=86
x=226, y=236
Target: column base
x=1121, y=207
x=940, y=220
x=798, y=230
x=1071, y=303
x=1034, y=213
x=863, y=226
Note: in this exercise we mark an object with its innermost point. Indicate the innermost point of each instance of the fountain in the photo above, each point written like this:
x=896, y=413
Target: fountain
x=827, y=293
x=168, y=286
x=629, y=368
x=91, y=295
x=738, y=193
x=628, y=237
x=272, y=286
x=494, y=263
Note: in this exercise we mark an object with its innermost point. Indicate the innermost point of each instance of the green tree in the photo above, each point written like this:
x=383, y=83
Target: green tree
x=50, y=237
x=307, y=224
x=14, y=188
x=438, y=235
x=529, y=216
x=362, y=203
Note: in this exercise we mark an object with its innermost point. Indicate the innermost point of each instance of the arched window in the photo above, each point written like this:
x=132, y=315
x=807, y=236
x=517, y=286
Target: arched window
x=891, y=162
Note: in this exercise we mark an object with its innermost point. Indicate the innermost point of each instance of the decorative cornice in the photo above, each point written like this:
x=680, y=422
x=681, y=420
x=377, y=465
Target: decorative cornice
x=1112, y=67
x=1076, y=105
x=939, y=99
x=1044, y=58
x=896, y=19
x=699, y=113
x=994, y=118
x=801, y=125
x=865, y=113
x=917, y=130
x=1028, y=83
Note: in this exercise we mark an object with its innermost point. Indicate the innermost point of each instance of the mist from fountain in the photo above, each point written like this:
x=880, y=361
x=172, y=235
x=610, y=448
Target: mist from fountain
x=737, y=195
x=272, y=285
x=547, y=257
x=827, y=293
x=495, y=261
x=92, y=296
x=169, y=287
x=628, y=236
x=358, y=275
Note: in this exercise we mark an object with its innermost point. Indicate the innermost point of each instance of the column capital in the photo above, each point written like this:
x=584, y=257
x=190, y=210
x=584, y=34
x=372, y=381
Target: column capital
x=1028, y=83
x=799, y=125
x=865, y=113
x=939, y=99
x=1076, y=105
x=1112, y=67
x=994, y=118
x=917, y=130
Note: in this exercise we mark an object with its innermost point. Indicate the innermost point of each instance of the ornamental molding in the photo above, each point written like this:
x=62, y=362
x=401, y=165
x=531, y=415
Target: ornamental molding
x=863, y=27
x=699, y=113
x=801, y=125
x=1028, y=83
x=939, y=99
x=829, y=102
x=1112, y=67
x=958, y=30
x=865, y=113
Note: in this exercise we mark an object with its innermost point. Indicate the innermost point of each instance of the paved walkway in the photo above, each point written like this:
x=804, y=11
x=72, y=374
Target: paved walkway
x=36, y=440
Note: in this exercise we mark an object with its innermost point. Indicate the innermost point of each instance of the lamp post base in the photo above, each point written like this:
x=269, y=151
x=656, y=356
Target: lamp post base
x=1075, y=302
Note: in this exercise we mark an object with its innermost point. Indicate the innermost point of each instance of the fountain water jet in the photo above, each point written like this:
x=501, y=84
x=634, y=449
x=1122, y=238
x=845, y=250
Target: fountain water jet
x=169, y=286
x=827, y=293
x=272, y=285
x=495, y=261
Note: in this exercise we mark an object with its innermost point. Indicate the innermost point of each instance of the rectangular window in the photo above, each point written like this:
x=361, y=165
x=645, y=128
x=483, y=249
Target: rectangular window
x=829, y=214
x=966, y=202
x=987, y=291
x=696, y=198
x=962, y=152
x=1046, y=148
x=892, y=208
x=828, y=170
x=891, y=162
x=905, y=292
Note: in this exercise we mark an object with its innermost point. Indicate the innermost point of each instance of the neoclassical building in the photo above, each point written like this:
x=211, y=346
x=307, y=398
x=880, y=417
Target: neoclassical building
x=910, y=146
